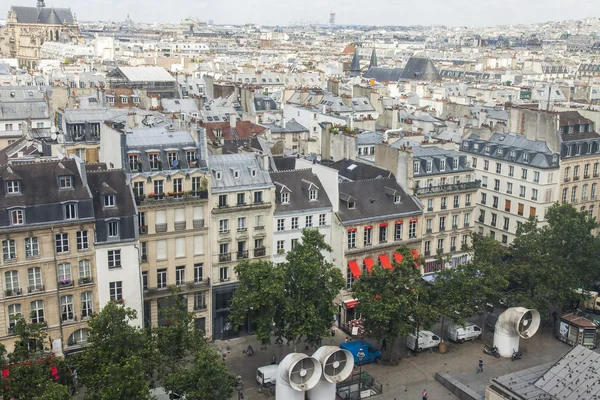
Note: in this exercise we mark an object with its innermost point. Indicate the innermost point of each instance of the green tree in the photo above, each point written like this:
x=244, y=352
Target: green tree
x=206, y=379
x=394, y=301
x=285, y=295
x=551, y=261
x=119, y=360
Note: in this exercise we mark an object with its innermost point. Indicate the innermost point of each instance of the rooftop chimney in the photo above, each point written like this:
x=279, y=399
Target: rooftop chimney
x=41, y=4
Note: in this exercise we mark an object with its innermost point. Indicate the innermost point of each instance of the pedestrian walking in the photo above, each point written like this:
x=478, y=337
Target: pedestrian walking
x=480, y=366
x=424, y=394
x=273, y=360
x=383, y=345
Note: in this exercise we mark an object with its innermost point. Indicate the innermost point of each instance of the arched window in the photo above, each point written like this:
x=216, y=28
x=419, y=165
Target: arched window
x=80, y=336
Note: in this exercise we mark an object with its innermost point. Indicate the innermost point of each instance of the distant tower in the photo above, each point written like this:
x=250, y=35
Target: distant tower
x=355, y=66
x=41, y=4
x=373, y=62
x=331, y=18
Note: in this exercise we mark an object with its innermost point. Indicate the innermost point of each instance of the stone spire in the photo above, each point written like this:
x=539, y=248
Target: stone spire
x=373, y=62
x=355, y=66
x=41, y=4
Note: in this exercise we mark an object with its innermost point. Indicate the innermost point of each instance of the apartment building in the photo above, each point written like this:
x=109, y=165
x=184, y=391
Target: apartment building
x=580, y=159
x=242, y=203
x=518, y=180
x=300, y=202
x=171, y=185
x=48, y=251
x=446, y=185
x=377, y=217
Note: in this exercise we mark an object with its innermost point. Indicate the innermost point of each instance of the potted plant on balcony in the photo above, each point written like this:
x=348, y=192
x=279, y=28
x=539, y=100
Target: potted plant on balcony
x=152, y=195
x=86, y=279
x=65, y=282
x=179, y=194
x=170, y=194
x=204, y=184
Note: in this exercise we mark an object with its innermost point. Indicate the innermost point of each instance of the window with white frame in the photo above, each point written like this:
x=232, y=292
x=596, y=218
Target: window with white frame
x=398, y=231
x=70, y=211
x=9, y=251
x=32, y=247
x=416, y=166
x=159, y=186
x=13, y=187
x=442, y=165
x=352, y=239
x=199, y=300
x=82, y=240
x=34, y=278
x=109, y=200
x=154, y=161
x=113, y=229
x=412, y=229
x=65, y=182
x=115, y=290
x=223, y=226
x=64, y=272
x=85, y=269
x=312, y=194
x=114, y=258
x=180, y=275
x=198, y=272
x=285, y=198
x=280, y=224
x=134, y=160
x=280, y=246
x=241, y=224
x=224, y=274
x=66, y=308
x=11, y=280
x=14, y=312
x=295, y=223
x=62, y=242
x=455, y=163
x=161, y=278
x=178, y=185
x=86, y=304
x=37, y=311
x=17, y=217
x=322, y=220
x=429, y=166
x=309, y=221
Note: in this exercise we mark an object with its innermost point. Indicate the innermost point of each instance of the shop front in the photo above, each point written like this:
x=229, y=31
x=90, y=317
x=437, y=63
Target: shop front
x=576, y=328
x=222, y=326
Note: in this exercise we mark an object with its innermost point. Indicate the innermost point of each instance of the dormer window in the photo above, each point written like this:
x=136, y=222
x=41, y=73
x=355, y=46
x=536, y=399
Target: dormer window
x=476, y=146
x=134, y=162
x=124, y=99
x=416, y=167
x=13, y=187
x=442, y=165
x=65, y=182
x=17, y=217
x=110, y=99
x=190, y=156
x=500, y=152
x=488, y=149
x=109, y=200
x=571, y=129
x=70, y=211
x=578, y=150
x=312, y=195
x=465, y=145
x=589, y=127
x=218, y=175
x=581, y=128
x=455, y=163
x=554, y=159
x=351, y=205
x=154, y=160
x=525, y=157
x=285, y=198
x=113, y=229
x=429, y=166
x=397, y=199
x=236, y=174
x=136, y=100
x=512, y=154
x=172, y=158
x=253, y=172
x=569, y=150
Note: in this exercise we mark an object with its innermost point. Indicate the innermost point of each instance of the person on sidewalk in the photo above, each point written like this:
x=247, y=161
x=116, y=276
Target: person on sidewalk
x=273, y=360
x=424, y=394
x=383, y=345
x=480, y=366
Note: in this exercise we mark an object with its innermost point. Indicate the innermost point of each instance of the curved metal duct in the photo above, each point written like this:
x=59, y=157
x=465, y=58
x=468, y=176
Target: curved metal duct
x=296, y=374
x=337, y=366
x=513, y=324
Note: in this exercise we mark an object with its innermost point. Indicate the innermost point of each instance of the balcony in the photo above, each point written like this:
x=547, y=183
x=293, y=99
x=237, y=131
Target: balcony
x=442, y=228
x=35, y=289
x=153, y=198
x=466, y=225
x=443, y=207
x=586, y=176
x=143, y=229
x=243, y=254
x=180, y=225
x=452, y=249
x=450, y=187
x=259, y=228
x=223, y=231
x=428, y=230
x=454, y=227
x=13, y=292
x=65, y=283
x=197, y=283
x=225, y=257
x=429, y=209
x=160, y=228
x=576, y=178
x=260, y=252
x=497, y=188
x=242, y=229
x=481, y=219
x=596, y=174
x=567, y=179
x=86, y=280
x=456, y=205
x=468, y=204
x=198, y=223
x=427, y=253
x=69, y=319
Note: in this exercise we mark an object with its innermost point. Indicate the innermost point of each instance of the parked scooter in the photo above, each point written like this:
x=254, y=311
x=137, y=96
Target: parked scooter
x=517, y=355
x=492, y=351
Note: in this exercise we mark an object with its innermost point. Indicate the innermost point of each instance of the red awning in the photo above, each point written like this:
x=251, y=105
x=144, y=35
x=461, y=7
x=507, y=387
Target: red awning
x=351, y=303
x=354, y=268
x=384, y=224
x=414, y=220
x=399, y=222
x=369, y=227
x=369, y=263
x=398, y=257
x=385, y=261
x=414, y=252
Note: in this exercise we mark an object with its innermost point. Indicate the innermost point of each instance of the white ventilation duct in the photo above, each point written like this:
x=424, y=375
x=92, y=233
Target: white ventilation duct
x=296, y=374
x=513, y=324
x=337, y=366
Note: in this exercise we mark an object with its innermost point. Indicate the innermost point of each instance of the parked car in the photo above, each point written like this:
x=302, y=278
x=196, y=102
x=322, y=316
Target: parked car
x=460, y=333
x=371, y=353
x=266, y=376
x=427, y=340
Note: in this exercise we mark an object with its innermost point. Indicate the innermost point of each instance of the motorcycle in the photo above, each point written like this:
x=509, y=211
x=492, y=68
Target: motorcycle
x=492, y=351
x=517, y=355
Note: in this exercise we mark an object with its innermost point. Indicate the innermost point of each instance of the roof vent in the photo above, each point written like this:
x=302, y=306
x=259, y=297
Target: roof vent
x=352, y=167
x=372, y=200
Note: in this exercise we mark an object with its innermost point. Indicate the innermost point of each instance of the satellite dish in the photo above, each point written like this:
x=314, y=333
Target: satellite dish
x=53, y=136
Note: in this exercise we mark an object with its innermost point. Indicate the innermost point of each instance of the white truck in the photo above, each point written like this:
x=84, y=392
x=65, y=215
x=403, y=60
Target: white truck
x=427, y=340
x=589, y=301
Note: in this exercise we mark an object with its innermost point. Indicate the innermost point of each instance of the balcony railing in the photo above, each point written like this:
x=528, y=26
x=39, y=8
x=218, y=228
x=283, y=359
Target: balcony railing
x=453, y=249
x=450, y=187
x=442, y=228
x=65, y=283
x=429, y=208
x=13, y=292
x=198, y=223
x=493, y=223
x=454, y=226
x=567, y=179
x=428, y=230
x=468, y=204
x=443, y=207
x=225, y=257
x=242, y=254
x=259, y=228
x=466, y=225
x=176, y=197
x=180, y=225
x=160, y=228
x=427, y=253
x=481, y=219
x=260, y=252
x=35, y=289
x=576, y=178
x=86, y=280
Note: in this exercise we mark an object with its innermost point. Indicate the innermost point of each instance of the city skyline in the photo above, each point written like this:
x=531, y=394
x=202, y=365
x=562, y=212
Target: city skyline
x=270, y=12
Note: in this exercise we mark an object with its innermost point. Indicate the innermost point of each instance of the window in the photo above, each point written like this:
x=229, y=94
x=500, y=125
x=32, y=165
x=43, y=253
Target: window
x=223, y=200
x=483, y=198
x=352, y=239
x=224, y=226
x=576, y=172
x=442, y=224
x=564, y=195
x=496, y=184
x=522, y=191
x=114, y=259
x=11, y=279
x=427, y=247
x=241, y=200
x=259, y=222
x=113, y=229
x=115, y=289
x=109, y=201
x=429, y=225
x=486, y=165
x=484, y=181
x=154, y=161
x=429, y=166
x=466, y=219
x=367, y=236
x=442, y=165
x=536, y=176
x=161, y=278
x=416, y=167
x=595, y=170
x=64, y=273
x=37, y=311
x=453, y=243
x=312, y=195
x=532, y=211
x=31, y=247
x=280, y=246
x=494, y=219
x=382, y=233
x=285, y=198
x=456, y=201
x=444, y=203
x=8, y=249
x=412, y=229
x=34, y=276
x=82, y=240
x=322, y=220
x=280, y=224
x=498, y=168
x=199, y=300
x=241, y=224
x=134, y=162
x=534, y=194
x=138, y=188
x=180, y=275
x=70, y=211
x=429, y=204
x=198, y=273
x=224, y=251
x=13, y=187
x=520, y=209
x=65, y=182
x=62, y=243
x=14, y=312
x=474, y=162
x=507, y=205
x=468, y=199
x=574, y=195
x=294, y=243
x=593, y=192
x=495, y=202
x=178, y=185
x=398, y=231
x=440, y=246
x=86, y=304
x=190, y=156
x=309, y=222
x=66, y=308
x=159, y=186
x=224, y=274
x=258, y=197
x=509, y=187
x=511, y=170
x=85, y=270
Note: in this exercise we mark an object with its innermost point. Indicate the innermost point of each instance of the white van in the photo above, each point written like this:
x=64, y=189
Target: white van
x=459, y=333
x=427, y=340
x=265, y=376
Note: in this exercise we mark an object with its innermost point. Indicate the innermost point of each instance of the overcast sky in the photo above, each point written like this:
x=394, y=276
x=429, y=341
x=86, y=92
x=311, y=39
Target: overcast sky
x=371, y=12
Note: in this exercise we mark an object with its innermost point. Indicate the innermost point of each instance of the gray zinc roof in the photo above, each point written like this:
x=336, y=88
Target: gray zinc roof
x=369, y=137
x=179, y=105
x=290, y=126
x=420, y=68
x=46, y=15
x=381, y=74
x=294, y=182
x=159, y=136
x=147, y=74
x=227, y=164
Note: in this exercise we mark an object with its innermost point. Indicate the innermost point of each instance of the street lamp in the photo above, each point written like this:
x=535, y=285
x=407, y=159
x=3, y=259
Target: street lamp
x=361, y=357
x=239, y=385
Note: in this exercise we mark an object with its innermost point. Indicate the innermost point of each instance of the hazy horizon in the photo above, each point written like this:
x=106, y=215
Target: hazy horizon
x=348, y=12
